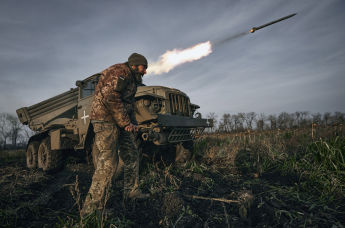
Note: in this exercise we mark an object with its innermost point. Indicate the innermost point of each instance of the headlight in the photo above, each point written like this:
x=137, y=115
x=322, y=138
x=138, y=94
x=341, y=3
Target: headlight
x=147, y=103
x=197, y=115
x=156, y=105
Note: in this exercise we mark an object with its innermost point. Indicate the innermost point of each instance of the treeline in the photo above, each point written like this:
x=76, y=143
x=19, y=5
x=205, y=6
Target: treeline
x=252, y=121
x=13, y=134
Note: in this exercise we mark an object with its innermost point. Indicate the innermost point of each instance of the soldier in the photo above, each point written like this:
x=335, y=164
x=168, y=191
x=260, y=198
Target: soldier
x=113, y=120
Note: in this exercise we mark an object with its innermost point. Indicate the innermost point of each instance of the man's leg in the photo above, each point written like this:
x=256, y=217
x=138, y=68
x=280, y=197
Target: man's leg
x=130, y=155
x=106, y=139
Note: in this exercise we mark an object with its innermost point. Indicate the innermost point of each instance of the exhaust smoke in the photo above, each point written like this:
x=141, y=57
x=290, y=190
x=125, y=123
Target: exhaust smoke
x=230, y=38
x=172, y=58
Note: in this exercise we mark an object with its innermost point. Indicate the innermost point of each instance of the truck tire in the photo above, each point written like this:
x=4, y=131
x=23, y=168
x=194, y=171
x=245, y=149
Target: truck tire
x=32, y=155
x=49, y=160
x=184, y=152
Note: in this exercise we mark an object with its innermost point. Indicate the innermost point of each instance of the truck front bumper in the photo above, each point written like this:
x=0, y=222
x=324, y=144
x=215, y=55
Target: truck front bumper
x=175, y=129
x=182, y=121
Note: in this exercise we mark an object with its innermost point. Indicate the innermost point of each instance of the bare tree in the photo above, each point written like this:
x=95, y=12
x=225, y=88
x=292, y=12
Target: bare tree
x=339, y=118
x=27, y=132
x=326, y=118
x=316, y=118
x=1, y=142
x=273, y=121
x=249, y=118
x=285, y=120
x=15, y=128
x=298, y=116
x=305, y=121
x=221, y=127
x=260, y=122
x=226, y=123
x=10, y=128
x=237, y=122
x=213, y=118
x=242, y=119
x=290, y=120
x=5, y=131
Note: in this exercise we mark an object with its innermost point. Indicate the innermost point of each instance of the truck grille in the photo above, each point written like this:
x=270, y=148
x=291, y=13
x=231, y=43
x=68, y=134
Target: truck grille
x=179, y=105
x=184, y=134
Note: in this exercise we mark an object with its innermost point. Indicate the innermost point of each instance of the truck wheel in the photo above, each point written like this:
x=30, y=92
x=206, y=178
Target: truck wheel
x=31, y=155
x=184, y=152
x=49, y=160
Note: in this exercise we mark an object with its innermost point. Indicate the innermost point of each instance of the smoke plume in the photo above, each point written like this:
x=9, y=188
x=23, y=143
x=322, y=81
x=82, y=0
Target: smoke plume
x=172, y=58
x=230, y=38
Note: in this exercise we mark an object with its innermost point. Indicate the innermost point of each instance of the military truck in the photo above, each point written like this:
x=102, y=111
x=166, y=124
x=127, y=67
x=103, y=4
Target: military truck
x=165, y=117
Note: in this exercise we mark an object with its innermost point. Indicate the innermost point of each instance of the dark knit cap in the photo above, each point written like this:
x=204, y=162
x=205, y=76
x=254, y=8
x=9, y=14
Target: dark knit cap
x=137, y=59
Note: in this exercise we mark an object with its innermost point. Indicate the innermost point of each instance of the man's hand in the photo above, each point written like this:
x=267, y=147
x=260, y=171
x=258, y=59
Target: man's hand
x=131, y=127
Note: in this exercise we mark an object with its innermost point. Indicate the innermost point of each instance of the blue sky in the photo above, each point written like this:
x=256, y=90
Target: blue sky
x=294, y=65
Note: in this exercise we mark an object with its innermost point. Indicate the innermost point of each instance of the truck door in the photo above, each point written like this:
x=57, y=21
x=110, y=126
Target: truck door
x=86, y=92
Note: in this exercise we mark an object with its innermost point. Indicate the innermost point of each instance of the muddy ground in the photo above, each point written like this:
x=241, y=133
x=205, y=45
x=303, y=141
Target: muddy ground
x=204, y=193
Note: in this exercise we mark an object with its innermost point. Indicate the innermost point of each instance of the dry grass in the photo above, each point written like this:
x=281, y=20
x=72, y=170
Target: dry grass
x=12, y=155
x=292, y=178
x=297, y=175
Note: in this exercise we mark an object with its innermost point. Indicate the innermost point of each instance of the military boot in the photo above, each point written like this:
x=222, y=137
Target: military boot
x=129, y=200
x=137, y=194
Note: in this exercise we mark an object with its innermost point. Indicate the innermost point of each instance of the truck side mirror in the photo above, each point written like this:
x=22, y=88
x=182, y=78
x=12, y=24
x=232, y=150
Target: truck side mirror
x=79, y=83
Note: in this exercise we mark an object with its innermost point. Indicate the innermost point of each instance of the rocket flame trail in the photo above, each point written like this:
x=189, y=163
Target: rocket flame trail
x=172, y=58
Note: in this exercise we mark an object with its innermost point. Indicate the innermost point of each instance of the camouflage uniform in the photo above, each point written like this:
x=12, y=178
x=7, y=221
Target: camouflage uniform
x=112, y=110
x=114, y=96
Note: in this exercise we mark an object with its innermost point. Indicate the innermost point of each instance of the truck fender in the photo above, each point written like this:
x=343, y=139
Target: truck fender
x=38, y=137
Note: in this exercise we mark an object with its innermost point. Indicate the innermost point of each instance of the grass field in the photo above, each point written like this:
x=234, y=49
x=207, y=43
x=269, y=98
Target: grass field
x=12, y=155
x=298, y=179
x=290, y=178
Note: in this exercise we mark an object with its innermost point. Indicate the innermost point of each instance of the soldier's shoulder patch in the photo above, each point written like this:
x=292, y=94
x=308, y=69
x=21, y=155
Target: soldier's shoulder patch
x=121, y=83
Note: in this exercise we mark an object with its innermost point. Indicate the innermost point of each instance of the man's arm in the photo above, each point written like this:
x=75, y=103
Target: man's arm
x=113, y=98
x=117, y=108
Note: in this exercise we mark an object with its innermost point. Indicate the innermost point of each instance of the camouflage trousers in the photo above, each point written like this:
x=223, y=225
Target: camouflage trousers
x=112, y=143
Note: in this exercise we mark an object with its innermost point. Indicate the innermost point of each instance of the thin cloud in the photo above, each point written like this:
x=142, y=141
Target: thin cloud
x=46, y=46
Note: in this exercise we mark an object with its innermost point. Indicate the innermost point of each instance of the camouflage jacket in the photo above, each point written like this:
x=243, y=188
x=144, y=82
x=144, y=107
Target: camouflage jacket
x=114, y=96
